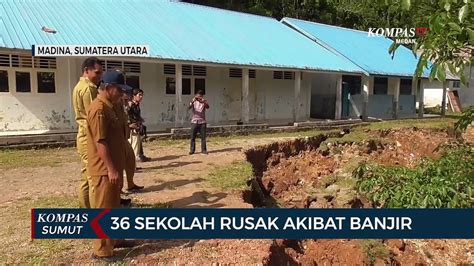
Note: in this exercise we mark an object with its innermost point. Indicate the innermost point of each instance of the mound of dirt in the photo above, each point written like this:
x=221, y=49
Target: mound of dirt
x=405, y=147
x=303, y=176
x=290, y=178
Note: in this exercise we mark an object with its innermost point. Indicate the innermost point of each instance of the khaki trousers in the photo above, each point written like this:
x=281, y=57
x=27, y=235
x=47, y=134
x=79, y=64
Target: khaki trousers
x=130, y=165
x=86, y=194
x=136, y=143
x=107, y=195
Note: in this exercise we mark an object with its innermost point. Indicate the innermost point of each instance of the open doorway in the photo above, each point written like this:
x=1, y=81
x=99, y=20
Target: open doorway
x=351, y=85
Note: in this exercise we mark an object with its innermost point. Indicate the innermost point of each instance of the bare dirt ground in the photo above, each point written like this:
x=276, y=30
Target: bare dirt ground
x=321, y=178
x=49, y=178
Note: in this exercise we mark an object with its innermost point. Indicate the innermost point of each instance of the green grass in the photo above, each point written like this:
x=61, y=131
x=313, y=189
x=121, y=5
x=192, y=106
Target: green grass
x=36, y=158
x=55, y=157
x=443, y=122
x=232, y=177
x=359, y=134
x=374, y=250
x=305, y=133
x=17, y=246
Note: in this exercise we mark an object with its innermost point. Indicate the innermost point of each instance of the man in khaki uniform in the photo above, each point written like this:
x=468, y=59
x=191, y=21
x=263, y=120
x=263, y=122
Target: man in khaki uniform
x=106, y=150
x=130, y=165
x=82, y=96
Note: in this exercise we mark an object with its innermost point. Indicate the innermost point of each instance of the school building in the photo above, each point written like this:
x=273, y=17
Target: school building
x=253, y=69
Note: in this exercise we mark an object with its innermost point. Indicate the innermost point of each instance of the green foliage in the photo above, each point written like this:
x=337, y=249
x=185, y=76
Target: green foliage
x=444, y=183
x=360, y=14
x=465, y=120
x=448, y=44
x=375, y=249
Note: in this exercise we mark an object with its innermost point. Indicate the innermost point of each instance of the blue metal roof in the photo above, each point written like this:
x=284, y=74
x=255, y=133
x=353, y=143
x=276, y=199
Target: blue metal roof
x=173, y=30
x=370, y=53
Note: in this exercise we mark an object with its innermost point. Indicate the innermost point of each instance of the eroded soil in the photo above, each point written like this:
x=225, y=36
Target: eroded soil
x=320, y=177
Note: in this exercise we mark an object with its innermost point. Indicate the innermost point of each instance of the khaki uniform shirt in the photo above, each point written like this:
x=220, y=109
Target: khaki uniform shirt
x=105, y=123
x=82, y=96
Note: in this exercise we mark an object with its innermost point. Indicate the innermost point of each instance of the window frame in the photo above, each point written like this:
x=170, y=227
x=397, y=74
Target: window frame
x=411, y=86
x=9, y=76
x=386, y=88
x=32, y=81
x=33, y=72
x=192, y=84
x=37, y=81
x=135, y=75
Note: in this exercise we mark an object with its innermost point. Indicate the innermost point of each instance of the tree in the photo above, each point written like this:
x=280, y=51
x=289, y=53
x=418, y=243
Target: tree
x=448, y=45
x=449, y=42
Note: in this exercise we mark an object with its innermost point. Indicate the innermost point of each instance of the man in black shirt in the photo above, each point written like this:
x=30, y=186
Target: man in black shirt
x=136, y=125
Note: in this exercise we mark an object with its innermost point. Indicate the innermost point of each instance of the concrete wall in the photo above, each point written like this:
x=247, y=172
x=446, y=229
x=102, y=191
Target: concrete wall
x=466, y=96
x=407, y=105
x=29, y=111
x=323, y=96
x=380, y=106
x=270, y=100
x=356, y=105
x=433, y=93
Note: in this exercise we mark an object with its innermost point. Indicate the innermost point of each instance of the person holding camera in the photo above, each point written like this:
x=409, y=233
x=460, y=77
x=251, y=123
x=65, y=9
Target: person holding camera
x=137, y=128
x=198, y=121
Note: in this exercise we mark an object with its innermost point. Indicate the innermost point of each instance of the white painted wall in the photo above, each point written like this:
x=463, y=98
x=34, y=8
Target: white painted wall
x=27, y=111
x=433, y=93
x=271, y=100
x=392, y=82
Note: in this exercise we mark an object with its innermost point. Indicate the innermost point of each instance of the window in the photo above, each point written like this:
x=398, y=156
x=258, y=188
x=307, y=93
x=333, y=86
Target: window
x=457, y=84
x=22, y=61
x=288, y=75
x=200, y=84
x=380, y=85
x=199, y=71
x=252, y=73
x=238, y=73
x=133, y=81
x=170, y=86
x=125, y=66
x=187, y=70
x=235, y=72
x=169, y=69
x=46, y=82
x=23, y=82
x=5, y=60
x=131, y=67
x=3, y=81
x=111, y=65
x=353, y=83
x=45, y=62
x=405, y=86
x=186, y=90
x=277, y=74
